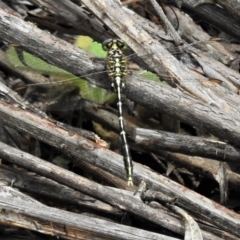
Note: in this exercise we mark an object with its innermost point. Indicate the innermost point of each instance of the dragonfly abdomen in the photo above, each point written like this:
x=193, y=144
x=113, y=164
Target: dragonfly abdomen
x=126, y=153
x=117, y=69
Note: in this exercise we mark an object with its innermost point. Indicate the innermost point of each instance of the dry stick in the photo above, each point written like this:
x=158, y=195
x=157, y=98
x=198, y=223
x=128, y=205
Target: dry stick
x=104, y=117
x=86, y=186
x=192, y=32
x=233, y=7
x=156, y=141
x=19, y=209
x=202, y=166
x=9, y=9
x=189, y=30
x=170, y=28
x=233, y=77
x=43, y=187
x=101, y=174
x=216, y=15
x=125, y=202
x=82, y=149
x=80, y=18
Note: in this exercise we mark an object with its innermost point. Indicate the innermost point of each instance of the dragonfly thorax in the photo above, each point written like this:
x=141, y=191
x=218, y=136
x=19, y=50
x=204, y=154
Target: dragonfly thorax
x=116, y=61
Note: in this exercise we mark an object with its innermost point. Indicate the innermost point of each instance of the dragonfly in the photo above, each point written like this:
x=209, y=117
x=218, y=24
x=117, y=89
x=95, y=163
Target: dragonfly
x=116, y=65
x=117, y=70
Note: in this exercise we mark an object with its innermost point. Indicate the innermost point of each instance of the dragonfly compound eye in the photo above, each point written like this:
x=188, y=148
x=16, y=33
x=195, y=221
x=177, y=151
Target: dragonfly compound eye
x=107, y=44
x=121, y=44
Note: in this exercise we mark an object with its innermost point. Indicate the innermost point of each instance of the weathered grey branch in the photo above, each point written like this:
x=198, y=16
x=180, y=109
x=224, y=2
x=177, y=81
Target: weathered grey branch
x=43, y=187
x=80, y=18
x=126, y=202
x=28, y=213
x=156, y=141
x=84, y=150
x=217, y=16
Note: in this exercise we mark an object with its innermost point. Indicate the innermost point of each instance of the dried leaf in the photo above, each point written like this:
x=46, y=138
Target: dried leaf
x=192, y=230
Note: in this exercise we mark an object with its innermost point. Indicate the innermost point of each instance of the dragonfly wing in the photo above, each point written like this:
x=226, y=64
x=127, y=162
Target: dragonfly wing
x=184, y=55
x=59, y=88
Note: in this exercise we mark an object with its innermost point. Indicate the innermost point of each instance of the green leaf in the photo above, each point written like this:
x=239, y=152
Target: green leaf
x=87, y=44
x=95, y=94
x=34, y=64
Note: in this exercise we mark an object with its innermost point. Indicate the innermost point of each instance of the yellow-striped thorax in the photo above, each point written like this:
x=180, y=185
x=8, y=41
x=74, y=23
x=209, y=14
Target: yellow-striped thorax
x=116, y=61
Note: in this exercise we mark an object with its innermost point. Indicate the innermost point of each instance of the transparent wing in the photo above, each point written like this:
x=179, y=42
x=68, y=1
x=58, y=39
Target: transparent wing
x=51, y=81
x=59, y=85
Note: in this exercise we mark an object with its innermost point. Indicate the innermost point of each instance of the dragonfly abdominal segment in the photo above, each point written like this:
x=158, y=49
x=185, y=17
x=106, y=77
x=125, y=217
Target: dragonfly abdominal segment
x=117, y=69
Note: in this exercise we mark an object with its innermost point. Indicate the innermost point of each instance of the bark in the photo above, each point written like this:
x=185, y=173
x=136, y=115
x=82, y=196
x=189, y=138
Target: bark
x=202, y=92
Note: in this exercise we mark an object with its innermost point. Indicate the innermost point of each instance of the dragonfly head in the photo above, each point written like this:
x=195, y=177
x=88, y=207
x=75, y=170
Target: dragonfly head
x=111, y=44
